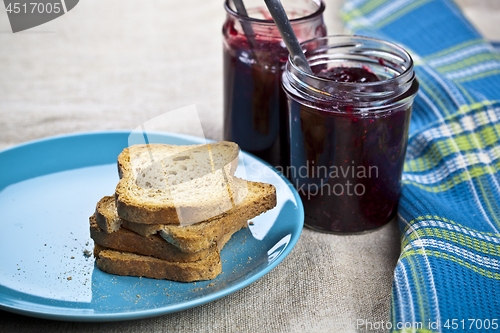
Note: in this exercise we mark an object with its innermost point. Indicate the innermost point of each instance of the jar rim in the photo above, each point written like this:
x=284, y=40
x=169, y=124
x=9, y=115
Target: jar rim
x=385, y=57
x=319, y=11
x=407, y=71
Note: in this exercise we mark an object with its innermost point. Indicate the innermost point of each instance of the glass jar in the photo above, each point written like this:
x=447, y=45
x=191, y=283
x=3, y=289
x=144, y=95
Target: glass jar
x=348, y=130
x=254, y=58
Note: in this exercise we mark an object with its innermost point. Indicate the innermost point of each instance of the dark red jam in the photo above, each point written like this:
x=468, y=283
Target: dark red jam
x=254, y=103
x=347, y=164
x=255, y=106
x=348, y=74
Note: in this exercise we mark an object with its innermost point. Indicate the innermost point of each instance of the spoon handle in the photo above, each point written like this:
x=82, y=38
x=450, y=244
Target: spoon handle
x=286, y=31
x=247, y=28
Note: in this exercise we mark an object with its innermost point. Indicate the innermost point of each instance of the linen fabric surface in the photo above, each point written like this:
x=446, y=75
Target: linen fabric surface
x=448, y=275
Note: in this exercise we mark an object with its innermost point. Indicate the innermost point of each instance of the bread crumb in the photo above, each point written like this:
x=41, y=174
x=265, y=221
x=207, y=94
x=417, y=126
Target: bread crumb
x=250, y=223
x=69, y=278
x=72, y=257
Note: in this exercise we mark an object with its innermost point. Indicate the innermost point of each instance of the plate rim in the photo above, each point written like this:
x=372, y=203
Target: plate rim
x=162, y=310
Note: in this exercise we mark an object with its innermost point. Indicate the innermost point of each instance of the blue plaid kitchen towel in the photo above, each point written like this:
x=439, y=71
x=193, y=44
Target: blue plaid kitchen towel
x=448, y=275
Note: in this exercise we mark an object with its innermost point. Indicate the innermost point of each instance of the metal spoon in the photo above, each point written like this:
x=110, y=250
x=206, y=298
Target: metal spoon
x=247, y=28
x=286, y=31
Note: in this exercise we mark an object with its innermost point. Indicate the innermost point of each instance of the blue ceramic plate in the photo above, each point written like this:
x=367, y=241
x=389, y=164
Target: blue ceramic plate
x=48, y=190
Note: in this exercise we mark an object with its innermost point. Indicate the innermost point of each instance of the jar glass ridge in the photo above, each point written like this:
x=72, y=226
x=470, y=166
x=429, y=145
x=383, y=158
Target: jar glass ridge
x=388, y=61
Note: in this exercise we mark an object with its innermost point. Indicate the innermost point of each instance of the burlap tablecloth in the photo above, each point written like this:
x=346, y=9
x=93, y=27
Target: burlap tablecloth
x=114, y=65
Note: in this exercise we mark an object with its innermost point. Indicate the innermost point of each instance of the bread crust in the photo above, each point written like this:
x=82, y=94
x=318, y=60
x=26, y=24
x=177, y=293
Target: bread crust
x=105, y=215
x=153, y=245
x=130, y=264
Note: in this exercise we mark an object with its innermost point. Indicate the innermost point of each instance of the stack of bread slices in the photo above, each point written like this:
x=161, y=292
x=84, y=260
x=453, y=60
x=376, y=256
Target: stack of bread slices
x=173, y=210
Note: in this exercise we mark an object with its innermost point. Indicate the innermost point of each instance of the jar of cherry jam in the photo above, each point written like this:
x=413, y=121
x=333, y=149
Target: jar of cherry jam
x=348, y=129
x=254, y=58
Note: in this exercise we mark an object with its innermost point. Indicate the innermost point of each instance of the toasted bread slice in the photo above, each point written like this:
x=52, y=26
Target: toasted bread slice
x=168, y=184
x=131, y=264
x=260, y=198
x=153, y=245
x=106, y=216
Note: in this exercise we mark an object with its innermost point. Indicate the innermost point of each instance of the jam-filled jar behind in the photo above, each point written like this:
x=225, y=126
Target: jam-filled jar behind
x=254, y=59
x=348, y=127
